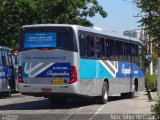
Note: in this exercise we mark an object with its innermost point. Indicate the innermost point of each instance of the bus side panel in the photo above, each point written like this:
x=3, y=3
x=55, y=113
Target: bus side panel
x=119, y=85
x=93, y=73
x=129, y=71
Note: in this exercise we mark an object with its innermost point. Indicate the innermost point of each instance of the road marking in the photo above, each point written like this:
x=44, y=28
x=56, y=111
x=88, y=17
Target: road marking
x=91, y=118
x=73, y=113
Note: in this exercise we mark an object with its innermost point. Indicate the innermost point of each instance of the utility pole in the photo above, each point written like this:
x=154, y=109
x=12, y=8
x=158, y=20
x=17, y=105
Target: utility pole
x=150, y=47
x=150, y=52
x=158, y=81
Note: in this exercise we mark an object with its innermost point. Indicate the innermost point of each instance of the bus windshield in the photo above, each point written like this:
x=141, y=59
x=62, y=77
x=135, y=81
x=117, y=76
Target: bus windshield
x=62, y=39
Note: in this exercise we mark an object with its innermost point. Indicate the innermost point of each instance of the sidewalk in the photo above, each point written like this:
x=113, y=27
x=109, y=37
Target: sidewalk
x=154, y=95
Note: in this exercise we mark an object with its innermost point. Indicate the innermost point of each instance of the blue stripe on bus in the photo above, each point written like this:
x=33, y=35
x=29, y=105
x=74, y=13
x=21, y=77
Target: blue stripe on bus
x=124, y=70
x=92, y=69
x=53, y=70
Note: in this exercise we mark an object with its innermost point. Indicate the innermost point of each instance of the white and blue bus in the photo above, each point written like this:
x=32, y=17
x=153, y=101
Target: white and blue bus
x=61, y=60
x=7, y=80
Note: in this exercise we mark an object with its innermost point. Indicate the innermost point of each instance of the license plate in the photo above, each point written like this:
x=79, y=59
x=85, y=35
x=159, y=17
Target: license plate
x=57, y=81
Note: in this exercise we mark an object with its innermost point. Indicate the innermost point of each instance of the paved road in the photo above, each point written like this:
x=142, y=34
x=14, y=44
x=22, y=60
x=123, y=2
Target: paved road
x=27, y=107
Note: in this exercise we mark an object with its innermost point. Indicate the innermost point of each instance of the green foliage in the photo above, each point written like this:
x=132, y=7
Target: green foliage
x=151, y=17
x=156, y=109
x=15, y=13
x=155, y=59
x=151, y=81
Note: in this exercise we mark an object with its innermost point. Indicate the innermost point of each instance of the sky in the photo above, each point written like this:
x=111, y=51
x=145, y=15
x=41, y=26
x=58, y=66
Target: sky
x=120, y=16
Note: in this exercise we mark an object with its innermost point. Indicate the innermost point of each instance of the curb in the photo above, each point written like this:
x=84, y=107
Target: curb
x=149, y=94
x=152, y=96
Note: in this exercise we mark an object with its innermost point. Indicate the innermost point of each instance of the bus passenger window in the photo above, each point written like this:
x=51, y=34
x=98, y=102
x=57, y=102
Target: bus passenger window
x=126, y=51
x=97, y=47
x=7, y=58
x=116, y=49
x=111, y=47
x=102, y=46
x=136, y=54
x=90, y=47
x=120, y=50
x=123, y=51
x=82, y=45
x=107, y=48
x=3, y=58
x=0, y=58
x=134, y=51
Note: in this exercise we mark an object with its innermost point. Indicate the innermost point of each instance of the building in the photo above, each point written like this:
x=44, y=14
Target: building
x=137, y=33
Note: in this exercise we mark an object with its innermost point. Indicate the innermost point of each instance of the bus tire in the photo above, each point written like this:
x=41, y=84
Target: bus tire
x=103, y=99
x=132, y=94
x=9, y=92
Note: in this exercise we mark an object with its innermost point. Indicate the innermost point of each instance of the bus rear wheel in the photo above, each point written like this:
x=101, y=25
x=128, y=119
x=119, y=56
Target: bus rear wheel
x=103, y=99
x=9, y=91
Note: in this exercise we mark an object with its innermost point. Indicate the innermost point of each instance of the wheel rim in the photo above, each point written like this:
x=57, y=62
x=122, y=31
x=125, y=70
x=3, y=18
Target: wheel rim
x=133, y=87
x=9, y=91
x=105, y=96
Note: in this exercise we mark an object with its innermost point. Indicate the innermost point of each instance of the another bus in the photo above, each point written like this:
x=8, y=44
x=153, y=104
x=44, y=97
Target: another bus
x=7, y=81
x=60, y=60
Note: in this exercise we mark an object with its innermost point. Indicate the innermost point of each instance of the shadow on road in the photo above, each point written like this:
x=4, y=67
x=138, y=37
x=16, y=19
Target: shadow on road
x=45, y=104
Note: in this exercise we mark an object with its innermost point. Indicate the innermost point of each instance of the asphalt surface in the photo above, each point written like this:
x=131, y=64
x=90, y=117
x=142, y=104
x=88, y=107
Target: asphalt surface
x=19, y=107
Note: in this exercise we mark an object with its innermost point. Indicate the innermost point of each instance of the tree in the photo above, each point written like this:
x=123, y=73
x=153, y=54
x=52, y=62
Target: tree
x=15, y=13
x=151, y=21
x=151, y=18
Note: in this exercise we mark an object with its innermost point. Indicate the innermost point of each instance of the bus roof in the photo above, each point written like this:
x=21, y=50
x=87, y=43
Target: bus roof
x=90, y=29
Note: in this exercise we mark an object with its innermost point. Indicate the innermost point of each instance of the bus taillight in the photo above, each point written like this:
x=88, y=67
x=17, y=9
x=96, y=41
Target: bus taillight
x=73, y=75
x=20, y=79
